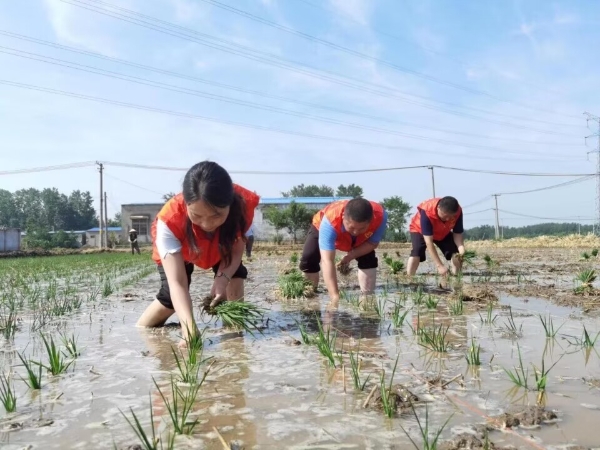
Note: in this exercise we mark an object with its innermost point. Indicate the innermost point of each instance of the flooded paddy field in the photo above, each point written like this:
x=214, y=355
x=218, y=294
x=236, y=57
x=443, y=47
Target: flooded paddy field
x=472, y=354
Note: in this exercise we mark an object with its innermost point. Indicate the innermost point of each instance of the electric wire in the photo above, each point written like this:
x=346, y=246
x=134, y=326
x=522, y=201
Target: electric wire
x=276, y=60
x=203, y=94
x=245, y=125
x=262, y=93
x=365, y=56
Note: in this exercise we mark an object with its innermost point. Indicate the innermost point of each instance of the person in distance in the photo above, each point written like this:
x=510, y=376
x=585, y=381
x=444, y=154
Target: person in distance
x=437, y=222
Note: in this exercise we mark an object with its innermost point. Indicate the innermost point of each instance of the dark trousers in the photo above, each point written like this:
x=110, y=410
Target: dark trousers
x=310, y=262
x=249, y=244
x=135, y=246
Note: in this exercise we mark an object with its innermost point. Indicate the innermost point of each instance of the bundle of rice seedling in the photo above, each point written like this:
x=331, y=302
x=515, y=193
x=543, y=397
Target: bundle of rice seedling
x=468, y=257
x=240, y=315
x=586, y=280
x=294, y=285
x=344, y=269
x=396, y=266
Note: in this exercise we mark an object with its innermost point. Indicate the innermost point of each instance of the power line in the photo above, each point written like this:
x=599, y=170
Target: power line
x=477, y=212
x=326, y=172
x=260, y=93
x=186, y=91
x=365, y=56
x=241, y=124
x=49, y=168
x=134, y=185
x=545, y=218
x=554, y=186
x=478, y=202
x=278, y=61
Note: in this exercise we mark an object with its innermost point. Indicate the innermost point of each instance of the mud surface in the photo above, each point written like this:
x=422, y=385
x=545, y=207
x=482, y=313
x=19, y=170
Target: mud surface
x=271, y=391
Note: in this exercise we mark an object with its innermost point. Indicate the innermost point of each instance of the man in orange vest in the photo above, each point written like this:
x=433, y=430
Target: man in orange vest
x=354, y=226
x=438, y=221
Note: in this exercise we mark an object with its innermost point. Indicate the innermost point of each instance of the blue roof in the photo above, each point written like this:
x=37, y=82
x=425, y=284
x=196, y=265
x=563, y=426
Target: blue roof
x=288, y=200
x=97, y=229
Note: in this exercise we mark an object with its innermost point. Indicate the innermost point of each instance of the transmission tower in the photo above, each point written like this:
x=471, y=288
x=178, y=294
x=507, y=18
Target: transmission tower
x=595, y=134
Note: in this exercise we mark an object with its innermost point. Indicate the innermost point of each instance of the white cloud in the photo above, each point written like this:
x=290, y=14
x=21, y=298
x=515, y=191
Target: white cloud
x=358, y=10
x=75, y=26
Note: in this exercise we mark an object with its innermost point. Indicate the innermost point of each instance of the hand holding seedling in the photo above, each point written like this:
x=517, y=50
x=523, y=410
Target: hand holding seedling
x=442, y=270
x=218, y=291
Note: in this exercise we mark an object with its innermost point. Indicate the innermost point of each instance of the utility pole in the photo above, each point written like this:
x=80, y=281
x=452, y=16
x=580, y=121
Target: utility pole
x=101, y=224
x=593, y=118
x=432, y=180
x=105, y=221
x=497, y=228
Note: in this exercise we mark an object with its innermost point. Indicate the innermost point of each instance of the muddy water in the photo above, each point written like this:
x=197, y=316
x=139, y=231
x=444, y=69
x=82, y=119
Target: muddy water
x=266, y=392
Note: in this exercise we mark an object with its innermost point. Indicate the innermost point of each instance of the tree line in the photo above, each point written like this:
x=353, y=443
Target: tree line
x=485, y=232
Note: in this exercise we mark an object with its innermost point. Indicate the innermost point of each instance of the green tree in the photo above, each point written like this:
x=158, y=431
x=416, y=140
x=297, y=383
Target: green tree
x=352, y=190
x=299, y=218
x=397, y=210
x=296, y=218
x=84, y=214
x=116, y=221
x=312, y=190
x=8, y=211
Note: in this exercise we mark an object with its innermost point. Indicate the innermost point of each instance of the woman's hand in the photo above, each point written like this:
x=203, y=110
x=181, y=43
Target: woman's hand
x=218, y=291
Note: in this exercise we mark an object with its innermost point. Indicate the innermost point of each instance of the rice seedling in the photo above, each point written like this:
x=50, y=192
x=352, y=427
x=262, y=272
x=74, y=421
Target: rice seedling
x=379, y=306
x=325, y=342
x=240, y=315
x=387, y=402
x=587, y=340
x=490, y=318
x=107, y=287
x=585, y=255
x=541, y=376
x=435, y=338
x=56, y=363
x=179, y=406
x=344, y=269
x=294, y=258
x=355, y=370
x=489, y=262
x=417, y=296
x=307, y=339
x=8, y=323
x=518, y=375
x=395, y=265
x=431, y=302
x=456, y=307
x=430, y=442
x=70, y=344
x=398, y=316
x=511, y=326
x=34, y=379
x=548, y=325
x=473, y=354
x=294, y=285
x=595, y=252
x=585, y=280
x=8, y=396
x=148, y=442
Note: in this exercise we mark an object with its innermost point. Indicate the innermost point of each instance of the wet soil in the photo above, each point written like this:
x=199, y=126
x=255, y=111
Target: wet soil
x=271, y=391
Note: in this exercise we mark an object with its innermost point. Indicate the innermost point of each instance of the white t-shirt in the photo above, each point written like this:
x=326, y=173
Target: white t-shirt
x=166, y=242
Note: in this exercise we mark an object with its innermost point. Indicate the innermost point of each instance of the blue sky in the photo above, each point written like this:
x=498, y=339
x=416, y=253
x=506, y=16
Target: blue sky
x=479, y=85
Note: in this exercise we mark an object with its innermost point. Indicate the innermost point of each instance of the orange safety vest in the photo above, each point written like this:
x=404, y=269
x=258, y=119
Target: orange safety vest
x=335, y=212
x=440, y=229
x=174, y=215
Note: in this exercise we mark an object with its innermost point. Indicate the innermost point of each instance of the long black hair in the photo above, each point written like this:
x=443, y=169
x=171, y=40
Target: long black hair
x=209, y=182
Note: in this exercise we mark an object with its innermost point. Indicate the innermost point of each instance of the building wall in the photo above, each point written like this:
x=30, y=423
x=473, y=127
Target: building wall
x=10, y=239
x=148, y=210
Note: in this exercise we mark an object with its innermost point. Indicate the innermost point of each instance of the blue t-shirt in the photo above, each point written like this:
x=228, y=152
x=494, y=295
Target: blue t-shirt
x=427, y=227
x=328, y=235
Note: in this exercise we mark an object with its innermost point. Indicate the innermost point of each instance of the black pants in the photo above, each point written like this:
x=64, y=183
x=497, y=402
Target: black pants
x=249, y=244
x=311, y=255
x=447, y=246
x=135, y=246
x=164, y=294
